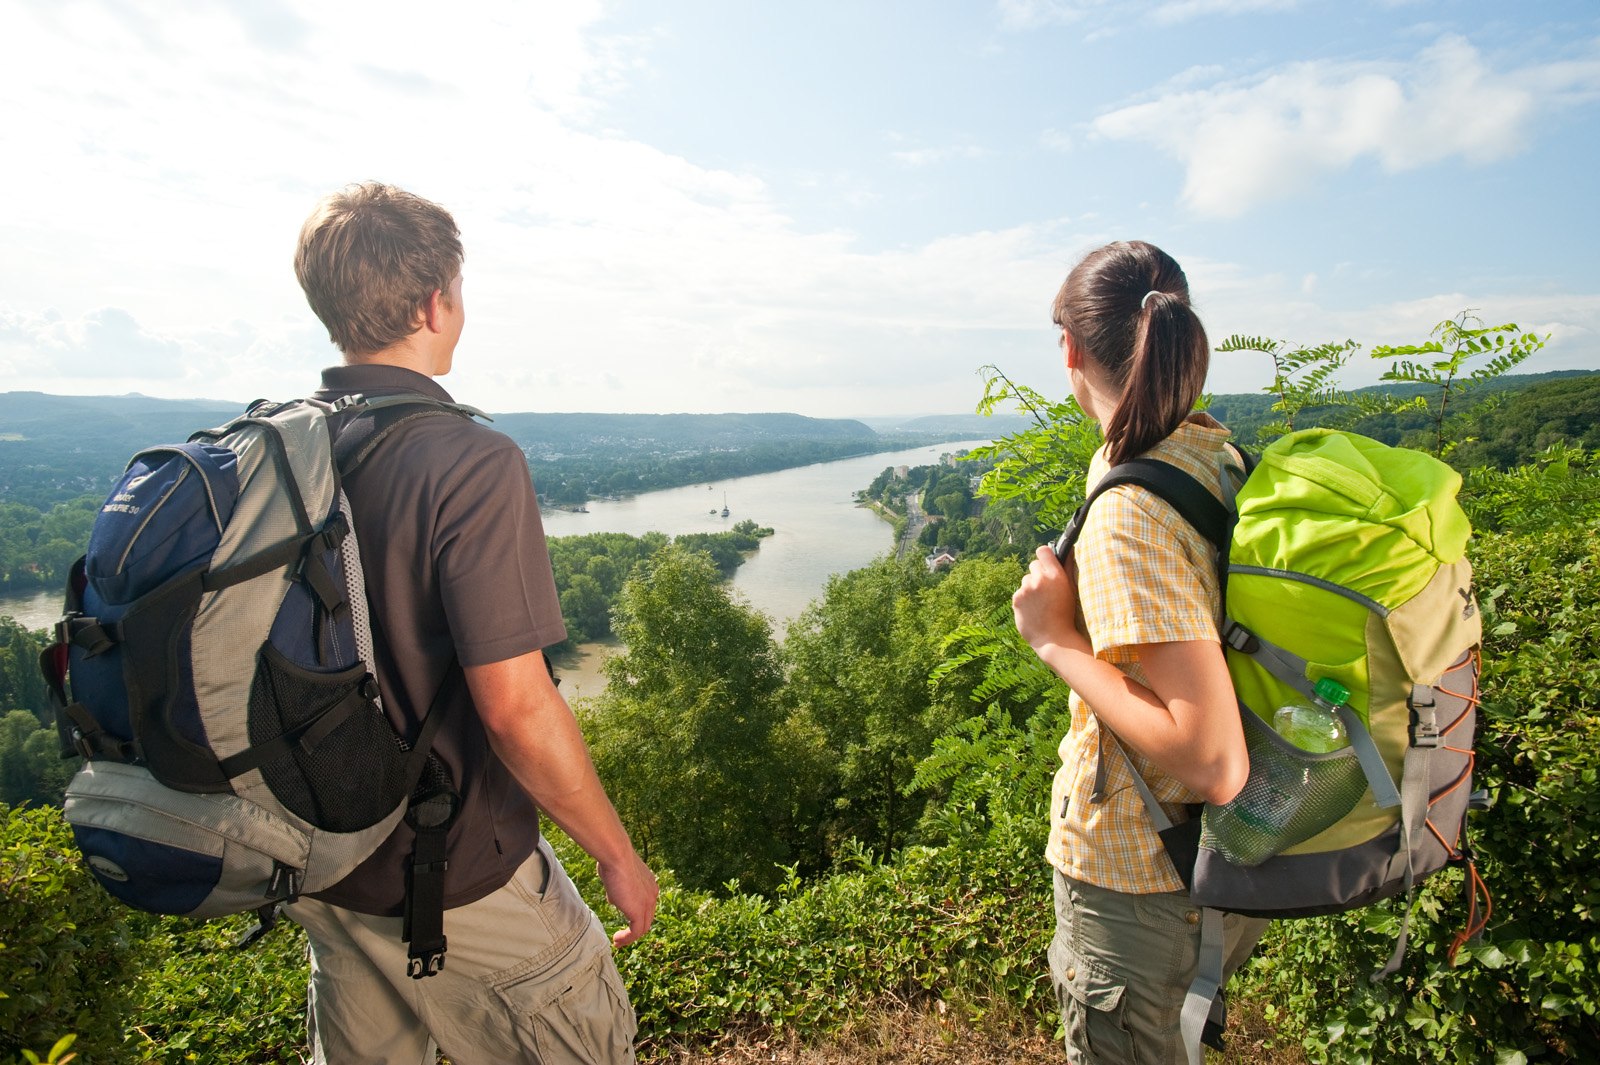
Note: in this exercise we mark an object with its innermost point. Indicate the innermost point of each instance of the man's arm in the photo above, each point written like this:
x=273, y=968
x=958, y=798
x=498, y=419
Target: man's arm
x=532, y=729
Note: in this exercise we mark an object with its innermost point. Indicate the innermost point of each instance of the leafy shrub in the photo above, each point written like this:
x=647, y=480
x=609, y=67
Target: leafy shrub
x=131, y=986
x=966, y=926
x=200, y=999
x=1561, y=487
x=69, y=952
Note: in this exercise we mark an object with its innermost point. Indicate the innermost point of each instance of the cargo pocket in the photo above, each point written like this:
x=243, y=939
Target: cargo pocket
x=1092, y=1012
x=578, y=1015
x=342, y=778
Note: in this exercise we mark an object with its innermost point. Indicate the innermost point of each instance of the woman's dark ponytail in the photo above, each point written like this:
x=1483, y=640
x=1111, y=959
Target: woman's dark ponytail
x=1127, y=308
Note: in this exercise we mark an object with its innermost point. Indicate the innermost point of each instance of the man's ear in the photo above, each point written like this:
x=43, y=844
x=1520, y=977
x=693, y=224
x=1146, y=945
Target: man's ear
x=433, y=312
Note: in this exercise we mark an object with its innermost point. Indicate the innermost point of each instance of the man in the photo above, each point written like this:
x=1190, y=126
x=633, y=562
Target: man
x=454, y=557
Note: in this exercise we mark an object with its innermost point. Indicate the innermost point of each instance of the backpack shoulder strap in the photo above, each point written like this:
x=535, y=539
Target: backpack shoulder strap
x=374, y=418
x=1191, y=499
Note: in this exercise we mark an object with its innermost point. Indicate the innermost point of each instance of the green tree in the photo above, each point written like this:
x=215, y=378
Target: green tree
x=1044, y=466
x=71, y=953
x=1511, y=433
x=22, y=685
x=1302, y=381
x=859, y=664
x=1456, y=342
x=31, y=767
x=585, y=608
x=689, y=735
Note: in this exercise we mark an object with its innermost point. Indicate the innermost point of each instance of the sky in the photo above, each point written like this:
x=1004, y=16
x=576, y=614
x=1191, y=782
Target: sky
x=842, y=208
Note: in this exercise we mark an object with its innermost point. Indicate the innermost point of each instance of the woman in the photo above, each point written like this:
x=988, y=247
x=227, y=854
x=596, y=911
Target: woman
x=1131, y=625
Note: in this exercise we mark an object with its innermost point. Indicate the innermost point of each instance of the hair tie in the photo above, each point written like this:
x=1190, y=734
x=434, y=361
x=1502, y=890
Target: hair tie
x=1144, y=302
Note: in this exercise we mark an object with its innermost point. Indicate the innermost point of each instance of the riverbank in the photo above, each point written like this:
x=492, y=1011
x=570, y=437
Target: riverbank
x=581, y=669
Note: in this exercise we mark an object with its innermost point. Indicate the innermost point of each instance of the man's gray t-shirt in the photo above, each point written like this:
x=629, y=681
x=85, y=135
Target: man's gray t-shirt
x=454, y=556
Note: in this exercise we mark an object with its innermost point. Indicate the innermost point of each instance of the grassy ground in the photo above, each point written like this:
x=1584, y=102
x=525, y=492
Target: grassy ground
x=899, y=1034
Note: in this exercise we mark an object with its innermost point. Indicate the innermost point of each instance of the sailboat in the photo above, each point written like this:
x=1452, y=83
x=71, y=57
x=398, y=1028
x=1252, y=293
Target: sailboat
x=724, y=504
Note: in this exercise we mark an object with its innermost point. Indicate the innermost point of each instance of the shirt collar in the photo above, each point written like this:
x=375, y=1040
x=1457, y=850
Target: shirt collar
x=371, y=378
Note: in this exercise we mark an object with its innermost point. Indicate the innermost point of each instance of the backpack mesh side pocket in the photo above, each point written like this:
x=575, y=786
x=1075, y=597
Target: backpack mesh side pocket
x=1290, y=796
x=345, y=781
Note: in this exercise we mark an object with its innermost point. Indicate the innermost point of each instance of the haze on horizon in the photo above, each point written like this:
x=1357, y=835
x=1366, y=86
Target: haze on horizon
x=836, y=209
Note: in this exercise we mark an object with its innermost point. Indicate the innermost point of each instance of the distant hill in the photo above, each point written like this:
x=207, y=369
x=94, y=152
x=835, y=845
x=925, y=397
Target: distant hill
x=1246, y=413
x=54, y=448
x=39, y=414
x=545, y=433
x=57, y=447
x=964, y=426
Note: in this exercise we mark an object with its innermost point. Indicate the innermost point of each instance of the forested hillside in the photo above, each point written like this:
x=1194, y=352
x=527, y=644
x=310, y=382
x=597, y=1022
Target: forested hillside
x=1520, y=415
x=57, y=449
x=856, y=815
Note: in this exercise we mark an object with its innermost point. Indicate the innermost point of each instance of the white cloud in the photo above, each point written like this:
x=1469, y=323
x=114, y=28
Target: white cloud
x=1176, y=11
x=171, y=160
x=111, y=349
x=1245, y=142
x=1031, y=14
x=173, y=178
x=930, y=156
x=1056, y=141
x=106, y=341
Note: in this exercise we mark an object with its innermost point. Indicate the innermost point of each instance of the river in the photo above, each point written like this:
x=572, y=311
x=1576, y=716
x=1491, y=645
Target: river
x=34, y=610
x=818, y=531
x=818, y=528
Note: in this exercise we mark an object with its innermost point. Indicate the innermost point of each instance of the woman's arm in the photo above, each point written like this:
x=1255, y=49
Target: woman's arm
x=1186, y=721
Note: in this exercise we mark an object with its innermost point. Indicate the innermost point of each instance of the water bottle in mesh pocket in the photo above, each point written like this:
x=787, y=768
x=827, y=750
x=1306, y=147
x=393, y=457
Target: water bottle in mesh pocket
x=1291, y=796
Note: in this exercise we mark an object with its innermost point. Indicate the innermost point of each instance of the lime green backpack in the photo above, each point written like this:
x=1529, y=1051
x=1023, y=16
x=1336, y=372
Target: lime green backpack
x=1347, y=594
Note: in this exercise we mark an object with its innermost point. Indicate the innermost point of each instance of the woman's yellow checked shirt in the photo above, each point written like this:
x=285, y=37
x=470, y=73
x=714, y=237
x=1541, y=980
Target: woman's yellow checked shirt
x=1144, y=576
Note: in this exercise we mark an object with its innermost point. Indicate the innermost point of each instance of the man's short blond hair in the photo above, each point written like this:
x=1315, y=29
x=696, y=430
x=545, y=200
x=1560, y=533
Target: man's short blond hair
x=369, y=258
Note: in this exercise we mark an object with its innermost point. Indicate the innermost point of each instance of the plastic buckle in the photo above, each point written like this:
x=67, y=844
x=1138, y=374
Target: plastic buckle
x=334, y=532
x=1424, y=722
x=1241, y=639
x=81, y=744
x=1424, y=731
x=285, y=883
x=426, y=964
x=266, y=920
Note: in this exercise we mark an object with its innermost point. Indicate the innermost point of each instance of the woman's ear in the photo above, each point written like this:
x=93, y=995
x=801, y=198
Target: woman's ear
x=1073, y=352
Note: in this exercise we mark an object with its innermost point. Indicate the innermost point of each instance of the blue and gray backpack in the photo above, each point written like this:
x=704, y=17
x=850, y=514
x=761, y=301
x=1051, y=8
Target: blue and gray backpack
x=213, y=668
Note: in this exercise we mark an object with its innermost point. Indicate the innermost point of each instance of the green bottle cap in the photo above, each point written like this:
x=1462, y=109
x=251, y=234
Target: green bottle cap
x=1332, y=691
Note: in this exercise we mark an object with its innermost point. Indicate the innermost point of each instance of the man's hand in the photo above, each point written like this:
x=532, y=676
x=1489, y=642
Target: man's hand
x=631, y=887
